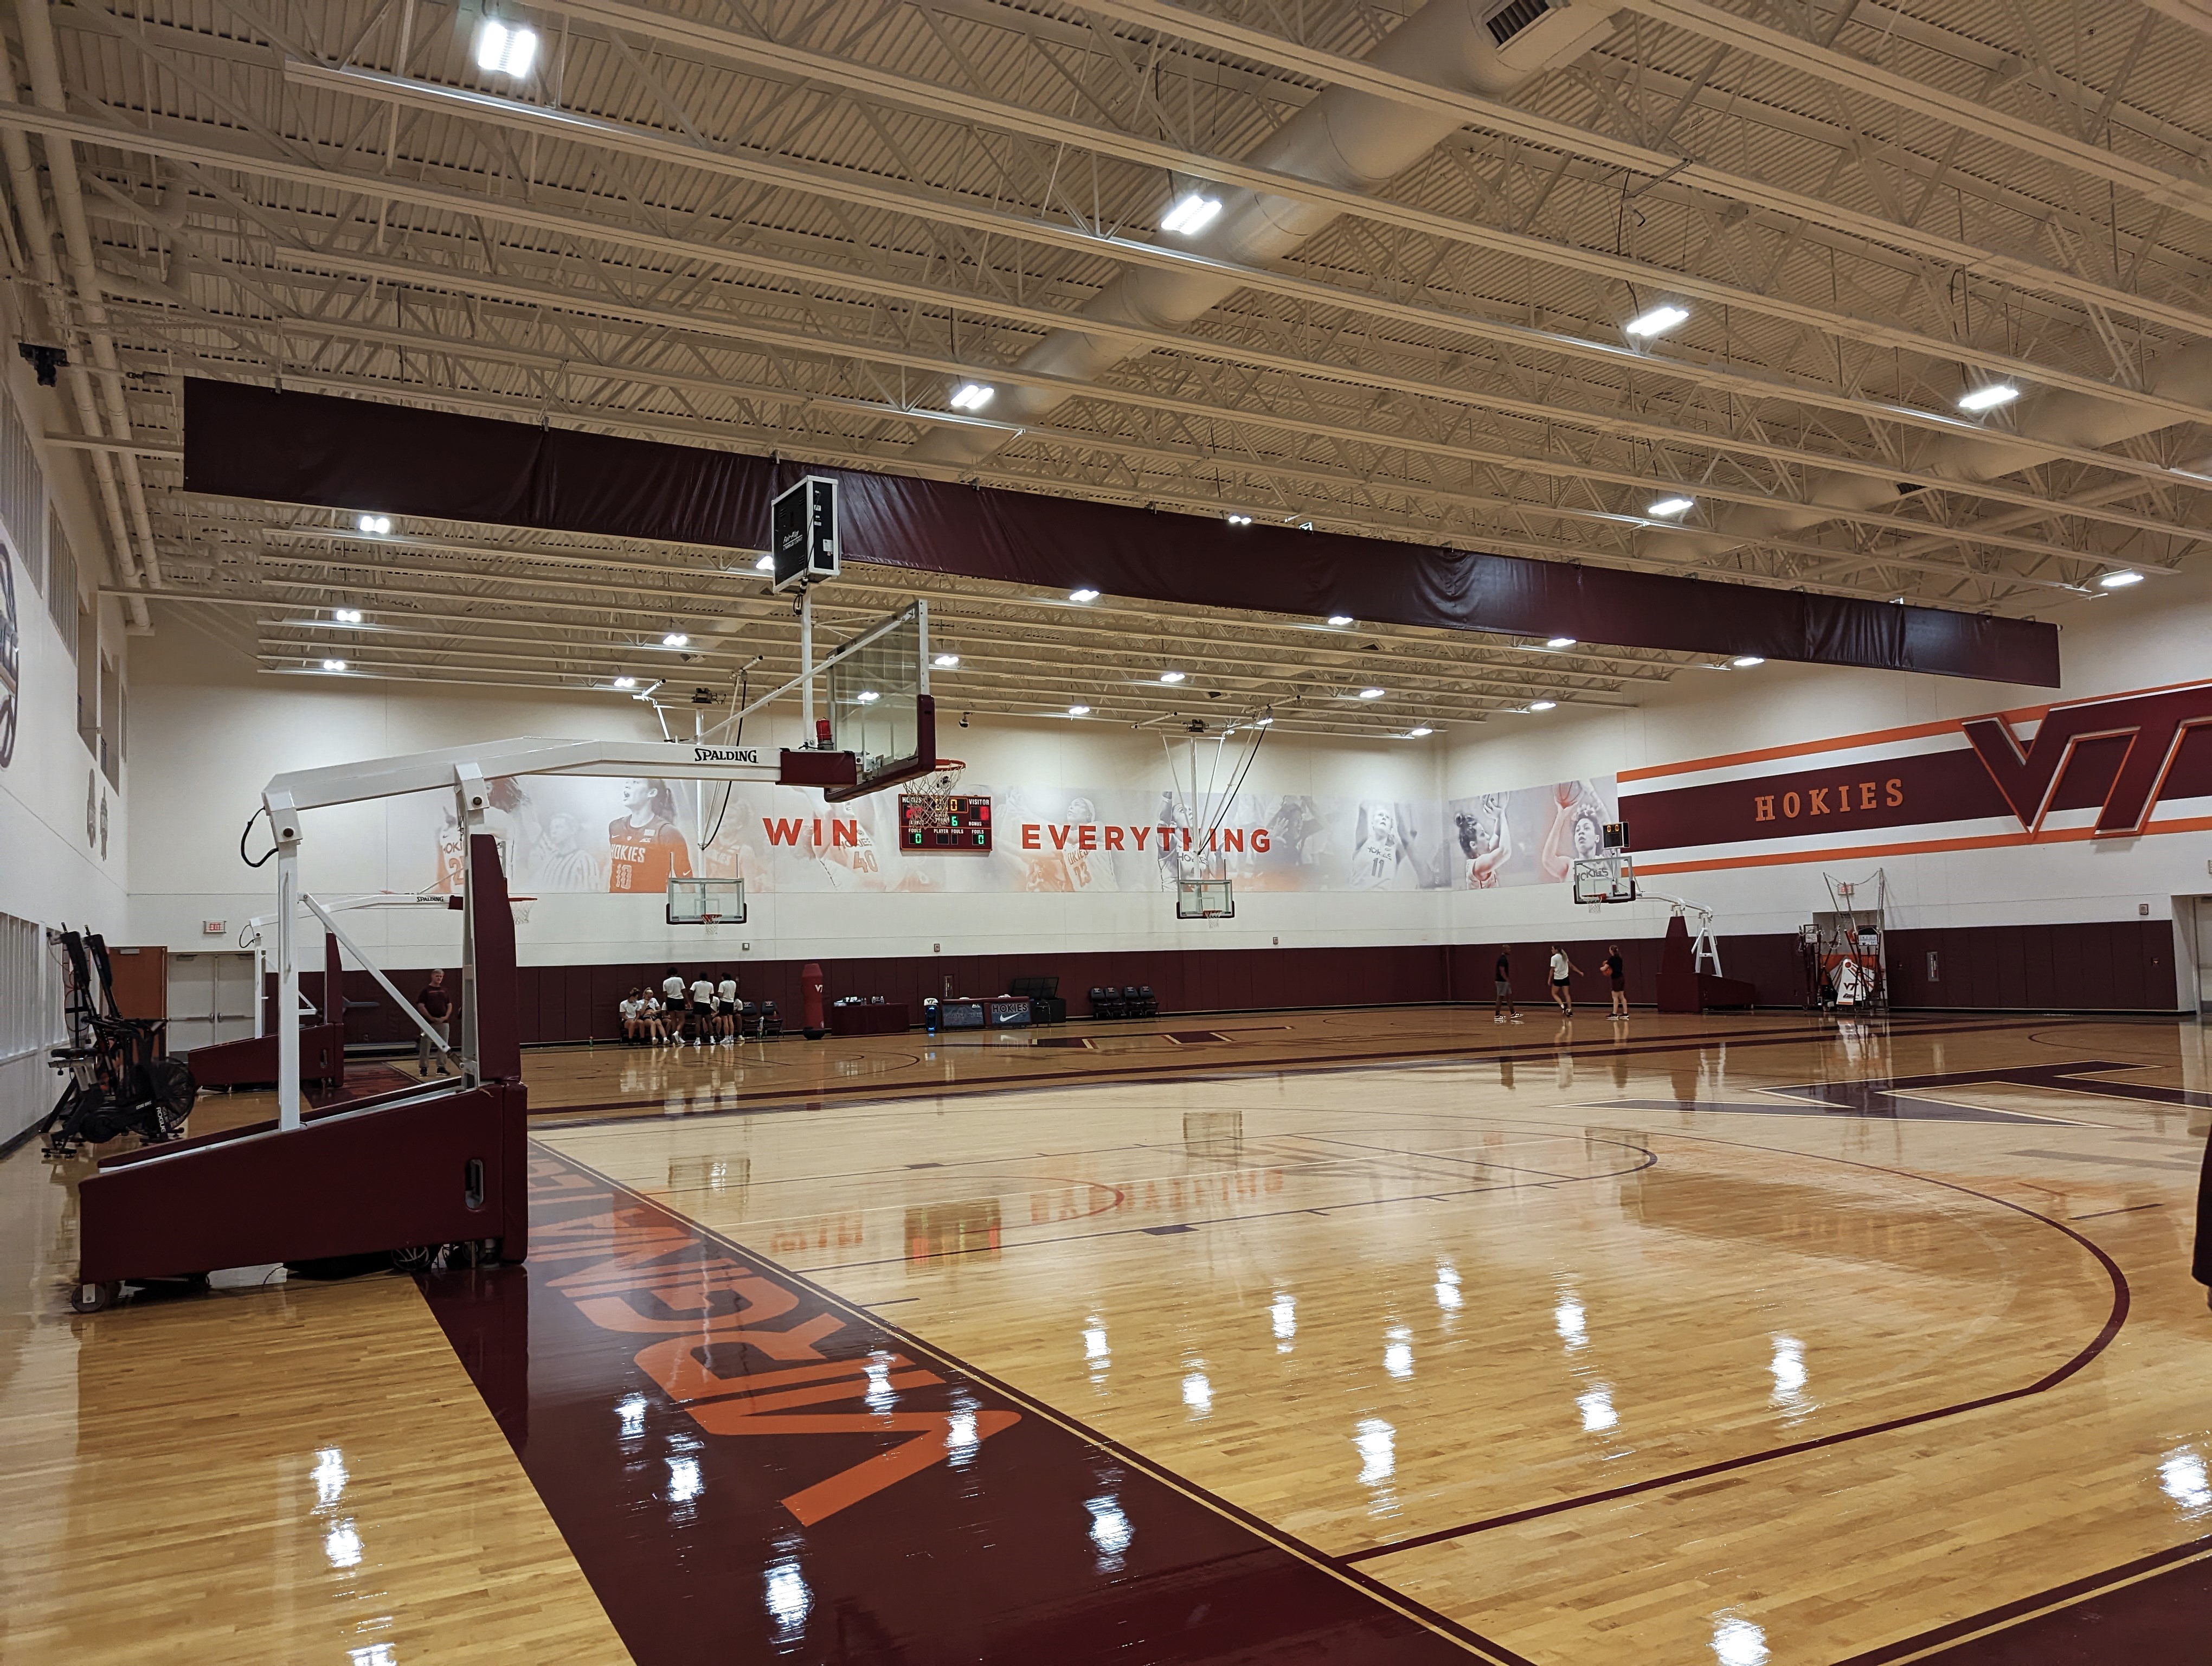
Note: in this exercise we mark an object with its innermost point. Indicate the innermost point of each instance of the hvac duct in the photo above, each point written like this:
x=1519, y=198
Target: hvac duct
x=1348, y=139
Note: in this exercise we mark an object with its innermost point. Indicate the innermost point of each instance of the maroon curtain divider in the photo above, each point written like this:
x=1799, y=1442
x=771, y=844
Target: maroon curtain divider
x=247, y=441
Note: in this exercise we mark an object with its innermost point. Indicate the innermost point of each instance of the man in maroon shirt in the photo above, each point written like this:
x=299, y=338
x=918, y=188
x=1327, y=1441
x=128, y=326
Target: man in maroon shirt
x=435, y=1004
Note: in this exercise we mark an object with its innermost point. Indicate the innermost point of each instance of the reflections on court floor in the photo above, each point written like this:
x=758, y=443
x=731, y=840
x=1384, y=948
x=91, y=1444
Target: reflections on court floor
x=725, y=1178
x=1214, y=1136
x=939, y=1231
x=838, y=1231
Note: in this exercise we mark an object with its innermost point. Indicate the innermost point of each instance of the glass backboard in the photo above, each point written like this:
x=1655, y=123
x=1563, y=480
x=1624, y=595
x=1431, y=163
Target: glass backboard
x=1604, y=879
x=879, y=707
x=704, y=901
x=1204, y=899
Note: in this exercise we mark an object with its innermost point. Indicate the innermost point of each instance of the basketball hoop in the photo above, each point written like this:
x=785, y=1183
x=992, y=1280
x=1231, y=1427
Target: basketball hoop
x=933, y=793
x=520, y=907
x=697, y=900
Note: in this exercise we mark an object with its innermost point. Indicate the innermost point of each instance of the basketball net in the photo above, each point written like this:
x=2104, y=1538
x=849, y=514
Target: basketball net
x=933, y=793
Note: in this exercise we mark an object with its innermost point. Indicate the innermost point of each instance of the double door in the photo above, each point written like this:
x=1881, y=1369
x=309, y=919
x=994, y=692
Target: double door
x=210, y=998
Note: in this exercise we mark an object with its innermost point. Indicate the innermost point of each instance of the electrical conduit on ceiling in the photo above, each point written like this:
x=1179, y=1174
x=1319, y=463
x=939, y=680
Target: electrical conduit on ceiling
x=1349, y=140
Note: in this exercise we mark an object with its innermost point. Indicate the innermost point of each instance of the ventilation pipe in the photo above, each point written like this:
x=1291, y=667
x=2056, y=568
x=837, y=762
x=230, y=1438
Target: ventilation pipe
x=1348, y=139
x=38, y=245
x=44, y=68
x=2076, y=420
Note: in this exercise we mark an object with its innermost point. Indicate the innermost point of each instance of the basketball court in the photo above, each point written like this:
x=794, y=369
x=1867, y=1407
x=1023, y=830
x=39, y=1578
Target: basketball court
x=886, y=834
x=1373, y=1338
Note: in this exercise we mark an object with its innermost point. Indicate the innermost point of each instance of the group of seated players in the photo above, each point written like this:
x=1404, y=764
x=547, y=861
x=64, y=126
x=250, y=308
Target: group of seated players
x=701, y=1011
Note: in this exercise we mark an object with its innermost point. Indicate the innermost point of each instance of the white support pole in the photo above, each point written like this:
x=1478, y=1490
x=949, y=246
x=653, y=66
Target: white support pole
x=285, y=825
x=471, y=793
x=806, y=663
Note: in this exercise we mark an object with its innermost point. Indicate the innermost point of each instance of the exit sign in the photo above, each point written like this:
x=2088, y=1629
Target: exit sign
x=211, y=928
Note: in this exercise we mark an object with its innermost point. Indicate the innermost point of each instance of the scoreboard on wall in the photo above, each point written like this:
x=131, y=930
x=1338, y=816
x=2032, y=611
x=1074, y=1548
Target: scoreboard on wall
x=966, y=827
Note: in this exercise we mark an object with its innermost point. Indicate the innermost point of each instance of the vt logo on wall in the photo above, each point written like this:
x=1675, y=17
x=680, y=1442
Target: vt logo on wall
x=2118, y=766
x=2147, y=731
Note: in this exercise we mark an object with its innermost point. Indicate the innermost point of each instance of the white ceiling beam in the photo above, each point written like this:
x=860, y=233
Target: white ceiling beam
x=1853, y=74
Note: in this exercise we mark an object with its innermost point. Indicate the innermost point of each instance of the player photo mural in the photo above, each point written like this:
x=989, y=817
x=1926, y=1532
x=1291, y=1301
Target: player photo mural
x=578, y=835
x=1529, y=835
x=645, y=848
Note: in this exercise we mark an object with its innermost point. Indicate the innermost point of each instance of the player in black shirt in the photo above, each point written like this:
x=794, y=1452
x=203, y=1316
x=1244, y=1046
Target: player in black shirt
x=1504, y=976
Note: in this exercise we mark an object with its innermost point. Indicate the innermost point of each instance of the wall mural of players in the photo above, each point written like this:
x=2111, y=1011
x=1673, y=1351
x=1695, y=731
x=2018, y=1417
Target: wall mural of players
x=576, y=835
x=1392, y=849
x=645, y=848
x=1485, y=839
x=1529, y=835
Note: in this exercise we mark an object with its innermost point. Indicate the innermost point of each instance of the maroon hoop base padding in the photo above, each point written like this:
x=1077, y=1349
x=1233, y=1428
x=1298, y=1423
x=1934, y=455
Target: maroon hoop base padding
x=422, y=1168
x=356, y=1182
x=251, y=1061
x=1684, y=988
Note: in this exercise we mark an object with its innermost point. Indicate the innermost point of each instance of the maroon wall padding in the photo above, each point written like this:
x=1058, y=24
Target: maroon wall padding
x=2115, y=966
x=247, y=441
x=386, y=1177
x=2094, y=965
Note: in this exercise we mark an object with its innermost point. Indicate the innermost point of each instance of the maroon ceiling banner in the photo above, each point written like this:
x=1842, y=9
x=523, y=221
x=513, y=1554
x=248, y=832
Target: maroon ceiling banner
x=247, y=441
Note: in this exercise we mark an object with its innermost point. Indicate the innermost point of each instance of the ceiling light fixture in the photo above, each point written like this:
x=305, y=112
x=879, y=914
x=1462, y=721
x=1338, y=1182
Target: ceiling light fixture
x=1542, y=705
x=1171, y=677
x=1416, y=733
x=1240, y=520
x=866, y=697
x=1261, y=722
x=1371, y=694
x=505, y=48
x=1085, y=594
x=376, y=524
x=1657, y=321
x=1339, y=619
x=765, y=564
x=1988, y=396
x=333, y=664
x=625, y=682
x=972, y=396
x=346, y=615
x=676, y=638
x=946, y=661
x=1559, y=641
x=2121, y=580
x=1671, y=506
x=1191, y=214
x=1745, y=661
x=1079, y=711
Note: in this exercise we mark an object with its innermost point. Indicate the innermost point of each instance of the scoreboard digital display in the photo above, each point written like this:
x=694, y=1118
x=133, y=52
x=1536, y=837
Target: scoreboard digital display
x=967, y=828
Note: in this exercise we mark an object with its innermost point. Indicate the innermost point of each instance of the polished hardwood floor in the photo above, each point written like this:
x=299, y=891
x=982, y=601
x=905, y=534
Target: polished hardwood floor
x=1735, y=1339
